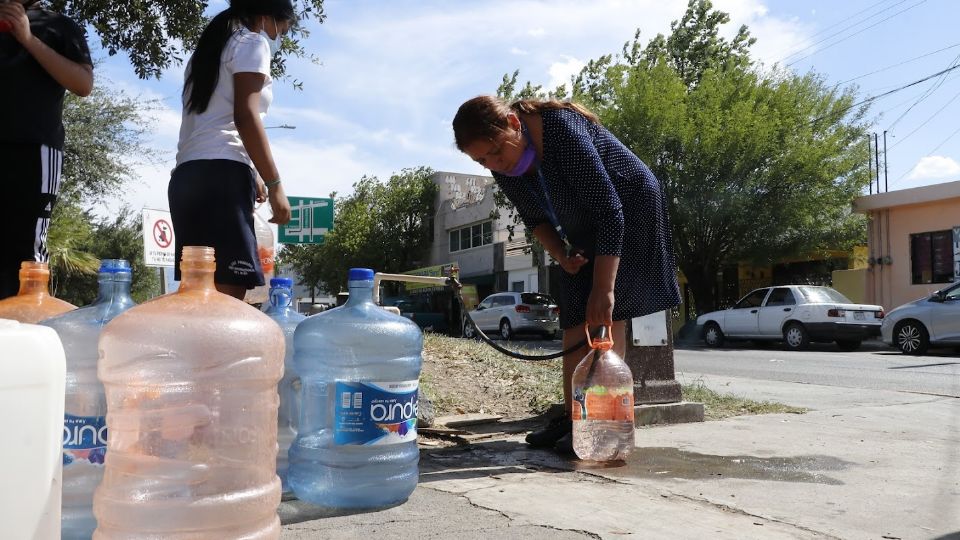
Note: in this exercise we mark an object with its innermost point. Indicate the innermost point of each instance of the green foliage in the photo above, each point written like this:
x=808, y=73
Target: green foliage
x=387, y=226
x=756, y=164
x=157, y=34
x=90, y=240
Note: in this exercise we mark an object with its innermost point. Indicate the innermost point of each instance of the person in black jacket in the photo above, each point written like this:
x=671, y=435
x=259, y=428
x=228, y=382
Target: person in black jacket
x=42, y=55
x=595, y=207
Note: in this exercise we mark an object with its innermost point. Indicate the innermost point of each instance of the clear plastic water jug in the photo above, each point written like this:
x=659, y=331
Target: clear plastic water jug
x=32, y=373
x=267, y=254
x=33, y=303
x=281, y=310
x=359, y=367
x=603, y=428
x=84, y=418
x=191, y=384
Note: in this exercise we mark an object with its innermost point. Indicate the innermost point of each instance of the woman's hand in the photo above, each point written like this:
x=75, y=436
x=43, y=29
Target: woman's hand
x=16, y=16
x=279, y=205
x=600, y=308
x=261, y=190
x=571, y=264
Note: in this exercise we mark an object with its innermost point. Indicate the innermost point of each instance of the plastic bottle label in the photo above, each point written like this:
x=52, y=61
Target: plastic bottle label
x=376, y=413
x=602, y=403
x=84, y=439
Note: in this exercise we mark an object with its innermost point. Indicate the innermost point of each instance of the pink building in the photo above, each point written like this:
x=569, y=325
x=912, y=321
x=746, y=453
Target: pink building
x=914, y=242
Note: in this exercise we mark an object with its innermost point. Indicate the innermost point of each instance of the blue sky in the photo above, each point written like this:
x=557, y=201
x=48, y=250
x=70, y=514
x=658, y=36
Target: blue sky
x=392, y=73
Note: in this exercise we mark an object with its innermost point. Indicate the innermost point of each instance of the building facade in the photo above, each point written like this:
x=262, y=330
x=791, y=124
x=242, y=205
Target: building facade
x=914, y=242
x=466, y=233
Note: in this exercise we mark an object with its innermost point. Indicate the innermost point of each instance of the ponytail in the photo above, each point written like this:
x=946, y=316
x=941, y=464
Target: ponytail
x=204, y=72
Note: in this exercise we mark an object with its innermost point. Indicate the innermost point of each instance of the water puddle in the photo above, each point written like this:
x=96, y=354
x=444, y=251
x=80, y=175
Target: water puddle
x=664, y=462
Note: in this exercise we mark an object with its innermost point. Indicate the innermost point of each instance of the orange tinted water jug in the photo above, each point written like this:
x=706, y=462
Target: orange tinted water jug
x=33, y=303
x=602, y=403
x=191, y=386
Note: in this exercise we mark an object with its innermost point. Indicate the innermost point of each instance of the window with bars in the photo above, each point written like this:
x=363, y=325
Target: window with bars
x=931, y=257
x=472, y=236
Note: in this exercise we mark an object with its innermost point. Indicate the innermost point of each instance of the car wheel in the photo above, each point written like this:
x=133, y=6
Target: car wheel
x=796, y=337
x=506, y=331
x=848, y=345
x=469, y=331
x=911, y=337
x=713, y=335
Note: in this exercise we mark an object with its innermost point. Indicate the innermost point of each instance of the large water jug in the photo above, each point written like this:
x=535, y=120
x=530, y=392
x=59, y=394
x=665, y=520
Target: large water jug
x=84, y=418
x=359, y=367
x=31, y=393
x=281, y=310
x=33, y=303
x=267, y=254
x=191, y=383
x=603, y=428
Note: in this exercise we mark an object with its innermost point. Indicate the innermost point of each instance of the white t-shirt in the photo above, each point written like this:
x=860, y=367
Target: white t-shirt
x=213, y=133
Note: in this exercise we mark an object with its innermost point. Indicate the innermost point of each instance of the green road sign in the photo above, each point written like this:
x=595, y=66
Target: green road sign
x=310, y=221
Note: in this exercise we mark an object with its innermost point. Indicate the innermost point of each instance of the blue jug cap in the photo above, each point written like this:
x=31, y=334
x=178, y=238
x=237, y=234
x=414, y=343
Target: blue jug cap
x=281, y=282
x=115, y=266
x=360, y=274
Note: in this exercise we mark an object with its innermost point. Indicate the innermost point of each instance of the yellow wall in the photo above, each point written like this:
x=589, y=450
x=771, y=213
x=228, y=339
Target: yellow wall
x=852, y=284
x=890, y=285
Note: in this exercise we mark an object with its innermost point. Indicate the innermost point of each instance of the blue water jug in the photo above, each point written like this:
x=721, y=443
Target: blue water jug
x=359, y=367
x=84, y=419
x=280, y=308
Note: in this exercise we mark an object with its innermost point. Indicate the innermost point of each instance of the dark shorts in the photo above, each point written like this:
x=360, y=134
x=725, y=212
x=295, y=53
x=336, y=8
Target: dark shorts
x=30, y=177
x=211, y=204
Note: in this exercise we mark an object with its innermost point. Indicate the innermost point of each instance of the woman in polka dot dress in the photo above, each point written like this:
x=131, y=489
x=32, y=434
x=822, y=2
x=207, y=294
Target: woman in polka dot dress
x=597, y=209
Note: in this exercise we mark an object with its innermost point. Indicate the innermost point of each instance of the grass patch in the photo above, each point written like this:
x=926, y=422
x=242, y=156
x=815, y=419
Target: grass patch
x=718, y=406
x=465, y=376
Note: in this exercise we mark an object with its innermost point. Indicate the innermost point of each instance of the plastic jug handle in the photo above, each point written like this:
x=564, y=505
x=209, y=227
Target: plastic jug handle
x=603, y=341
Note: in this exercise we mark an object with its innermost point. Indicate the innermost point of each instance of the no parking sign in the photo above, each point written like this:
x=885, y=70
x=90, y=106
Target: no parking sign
x=158, y=245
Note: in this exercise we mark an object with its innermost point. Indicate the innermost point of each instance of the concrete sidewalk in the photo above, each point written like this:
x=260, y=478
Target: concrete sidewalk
x=860, y=464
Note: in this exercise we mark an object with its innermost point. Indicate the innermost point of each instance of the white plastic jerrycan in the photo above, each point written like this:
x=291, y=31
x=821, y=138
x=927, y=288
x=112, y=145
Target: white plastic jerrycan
x=32, y=375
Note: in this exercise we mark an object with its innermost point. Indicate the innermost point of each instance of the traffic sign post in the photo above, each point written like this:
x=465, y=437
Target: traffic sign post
x=311, y=219
x=158, y=240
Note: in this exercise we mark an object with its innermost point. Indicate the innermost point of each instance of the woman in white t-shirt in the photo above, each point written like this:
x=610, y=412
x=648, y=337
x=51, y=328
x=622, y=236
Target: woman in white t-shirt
x=223, y=145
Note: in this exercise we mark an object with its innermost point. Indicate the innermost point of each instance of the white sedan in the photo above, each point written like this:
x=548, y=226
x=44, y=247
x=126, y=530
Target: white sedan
x=796, y=315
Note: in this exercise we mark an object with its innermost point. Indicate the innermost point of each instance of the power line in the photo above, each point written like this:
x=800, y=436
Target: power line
x=897, y=64
x=885, y=94
x=943, y=142
x=856, y=33
x=794, y=53
x=936, y=86
x=925, y=122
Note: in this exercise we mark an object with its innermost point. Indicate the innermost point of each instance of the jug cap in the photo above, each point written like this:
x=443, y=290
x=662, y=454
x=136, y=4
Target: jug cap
x=360, y=274
x=115, y=266
x=281, y=282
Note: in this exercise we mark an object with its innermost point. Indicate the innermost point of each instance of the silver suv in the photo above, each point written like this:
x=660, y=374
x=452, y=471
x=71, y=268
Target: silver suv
x=514, y=312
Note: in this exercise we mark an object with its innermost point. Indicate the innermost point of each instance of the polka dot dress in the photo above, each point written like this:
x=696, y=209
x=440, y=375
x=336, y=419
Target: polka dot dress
x=609, y=203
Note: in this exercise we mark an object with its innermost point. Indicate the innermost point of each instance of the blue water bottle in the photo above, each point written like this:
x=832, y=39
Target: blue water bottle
x=84, y=419
x=360, y=369
x=280, y=308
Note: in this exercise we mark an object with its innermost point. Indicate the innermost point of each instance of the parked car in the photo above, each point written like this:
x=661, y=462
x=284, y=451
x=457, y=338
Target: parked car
x=514, y=312
x=796, y=315
x=931, y=321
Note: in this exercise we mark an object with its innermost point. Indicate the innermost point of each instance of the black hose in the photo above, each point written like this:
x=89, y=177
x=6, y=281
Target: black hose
x=457, y=288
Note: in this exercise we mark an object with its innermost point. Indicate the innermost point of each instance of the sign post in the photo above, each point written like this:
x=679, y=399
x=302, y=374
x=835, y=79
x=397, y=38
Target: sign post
x=311, y=219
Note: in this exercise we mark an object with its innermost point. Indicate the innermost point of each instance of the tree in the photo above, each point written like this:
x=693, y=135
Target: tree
x=756, y=164
x=159, y=33
x=117, y=238
x=386, y=226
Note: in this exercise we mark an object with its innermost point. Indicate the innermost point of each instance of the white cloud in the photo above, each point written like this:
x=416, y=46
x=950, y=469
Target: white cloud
x=536, y=32
x=934, y=167
x=561, y=72
x=518, y=51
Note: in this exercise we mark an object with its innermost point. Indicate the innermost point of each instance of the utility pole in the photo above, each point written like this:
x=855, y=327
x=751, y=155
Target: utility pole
x=869, y=164
x=876, y=153
x=886, y=183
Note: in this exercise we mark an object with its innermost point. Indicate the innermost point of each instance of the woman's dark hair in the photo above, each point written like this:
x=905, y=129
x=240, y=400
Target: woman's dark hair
x=204, y=71
x=485, y=117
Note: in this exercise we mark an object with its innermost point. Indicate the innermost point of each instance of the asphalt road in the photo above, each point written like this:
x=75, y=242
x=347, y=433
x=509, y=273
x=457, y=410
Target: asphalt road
x=873, y=367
